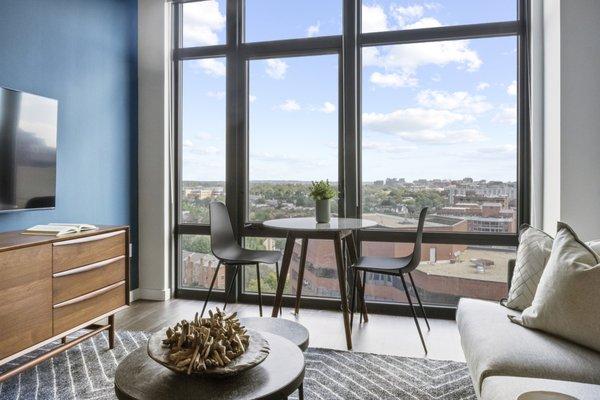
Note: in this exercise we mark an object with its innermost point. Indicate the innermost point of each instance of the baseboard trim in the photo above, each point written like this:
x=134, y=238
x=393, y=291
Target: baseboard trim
x=134, y=295
x=150, y=294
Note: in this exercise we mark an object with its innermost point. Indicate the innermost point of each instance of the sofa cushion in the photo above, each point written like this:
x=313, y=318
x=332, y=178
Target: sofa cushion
x=594, y=245
x=510, y=387
x=495, y=346
x=566, y=303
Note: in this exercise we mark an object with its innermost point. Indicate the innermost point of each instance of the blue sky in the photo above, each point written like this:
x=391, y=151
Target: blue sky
x=429, y=110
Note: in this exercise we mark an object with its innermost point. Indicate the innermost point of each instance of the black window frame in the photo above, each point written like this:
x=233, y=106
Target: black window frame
x=348, y=46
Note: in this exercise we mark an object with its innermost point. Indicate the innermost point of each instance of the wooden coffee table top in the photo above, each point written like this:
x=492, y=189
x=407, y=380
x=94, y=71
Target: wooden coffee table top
x=291, y=330
x=139, y=377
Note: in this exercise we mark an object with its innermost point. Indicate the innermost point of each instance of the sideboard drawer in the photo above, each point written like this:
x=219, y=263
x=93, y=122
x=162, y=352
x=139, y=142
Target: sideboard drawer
x=87, y=250
x=75, y=282
x=77, y=311
x=25, y=298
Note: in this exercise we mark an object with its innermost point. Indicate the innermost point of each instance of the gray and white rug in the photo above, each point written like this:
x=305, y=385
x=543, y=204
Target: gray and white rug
x=87, y=370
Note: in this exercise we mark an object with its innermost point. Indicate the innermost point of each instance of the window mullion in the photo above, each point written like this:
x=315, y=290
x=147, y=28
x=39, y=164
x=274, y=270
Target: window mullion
x=349, y=150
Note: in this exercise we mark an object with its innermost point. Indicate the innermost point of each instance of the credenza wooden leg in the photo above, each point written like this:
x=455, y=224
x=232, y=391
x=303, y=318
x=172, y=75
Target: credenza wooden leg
x=111, y=332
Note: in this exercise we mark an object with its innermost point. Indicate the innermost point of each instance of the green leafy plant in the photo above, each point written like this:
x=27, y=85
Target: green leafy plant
x=322, y=190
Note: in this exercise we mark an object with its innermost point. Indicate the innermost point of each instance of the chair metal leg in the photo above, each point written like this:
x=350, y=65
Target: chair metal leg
x=301, y=392
x=259, y=292
x=210, y=289
x=277, y=276
x=353, y=298
x=414, y=313
x=412, y=282
x=231, y=284
x=362, y=300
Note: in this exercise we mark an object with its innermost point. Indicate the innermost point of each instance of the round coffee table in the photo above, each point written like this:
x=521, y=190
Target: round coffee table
x=139, y=377
x=290, y=330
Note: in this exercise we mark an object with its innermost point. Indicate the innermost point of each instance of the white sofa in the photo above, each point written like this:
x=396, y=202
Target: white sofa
x=506, y=360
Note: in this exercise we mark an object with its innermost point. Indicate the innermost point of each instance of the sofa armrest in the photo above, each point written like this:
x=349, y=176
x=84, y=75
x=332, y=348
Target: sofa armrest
x=510, y=272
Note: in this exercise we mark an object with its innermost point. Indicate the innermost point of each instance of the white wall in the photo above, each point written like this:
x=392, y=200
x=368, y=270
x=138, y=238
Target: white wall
x=572, y=115
x=580, y=116
x=153, y=148
x=551, y=146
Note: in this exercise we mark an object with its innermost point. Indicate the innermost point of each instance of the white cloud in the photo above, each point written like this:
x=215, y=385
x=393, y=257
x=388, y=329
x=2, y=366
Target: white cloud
x=506, y=116
x=512, y=88
x=212, y=67
x=276, y=68
x=386, y=147
x=206, y=150
x=204, y=136
x=252, y=98
x=457, y=101
x=373, y=18
x=425, y=125
x=499, y=151
x=427, y=22
x=410, y=57
x=408, y=13
x=482, y=86
x=289, y=105
x=313, y=30
x=407, y=58
x=327, y=108
x=303, y=161
x=199, y=149
x=219, y=95
x=394, y=80
x=411, y=119
x=202, y=22
x=371, y=56
x=495, y=152
x=444, y=136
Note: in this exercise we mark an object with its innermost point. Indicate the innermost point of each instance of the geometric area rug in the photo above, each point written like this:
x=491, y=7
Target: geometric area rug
x=86, y=371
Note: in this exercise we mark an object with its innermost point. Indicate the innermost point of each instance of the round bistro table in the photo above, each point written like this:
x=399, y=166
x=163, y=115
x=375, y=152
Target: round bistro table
x=340, y=231
x=139, y=377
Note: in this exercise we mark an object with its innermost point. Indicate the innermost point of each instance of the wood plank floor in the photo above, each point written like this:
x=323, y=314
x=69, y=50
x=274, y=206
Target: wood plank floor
x=383, y=334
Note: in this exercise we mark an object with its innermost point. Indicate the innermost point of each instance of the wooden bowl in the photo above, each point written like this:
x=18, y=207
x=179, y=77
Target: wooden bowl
x=258, y=349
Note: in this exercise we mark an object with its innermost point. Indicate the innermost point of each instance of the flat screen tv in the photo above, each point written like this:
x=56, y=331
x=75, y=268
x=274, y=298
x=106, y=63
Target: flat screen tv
x=28, y=130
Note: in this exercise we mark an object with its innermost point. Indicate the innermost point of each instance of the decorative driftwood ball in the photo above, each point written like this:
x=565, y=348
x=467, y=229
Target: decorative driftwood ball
x=205, y=343
x=217, y=346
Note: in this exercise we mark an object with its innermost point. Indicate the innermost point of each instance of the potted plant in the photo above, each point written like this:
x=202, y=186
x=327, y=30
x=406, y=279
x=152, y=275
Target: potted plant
x=322, y=192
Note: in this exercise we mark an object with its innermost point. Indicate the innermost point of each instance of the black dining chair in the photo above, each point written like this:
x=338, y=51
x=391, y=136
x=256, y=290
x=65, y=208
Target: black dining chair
x=226, y=249
x=394, y=267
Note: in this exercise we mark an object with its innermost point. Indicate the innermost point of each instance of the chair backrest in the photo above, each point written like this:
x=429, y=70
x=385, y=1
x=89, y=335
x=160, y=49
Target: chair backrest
x=222, y=239
x=416, y=255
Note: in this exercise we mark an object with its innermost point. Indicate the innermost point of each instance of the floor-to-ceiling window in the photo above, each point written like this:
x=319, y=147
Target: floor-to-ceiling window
x=400, y=104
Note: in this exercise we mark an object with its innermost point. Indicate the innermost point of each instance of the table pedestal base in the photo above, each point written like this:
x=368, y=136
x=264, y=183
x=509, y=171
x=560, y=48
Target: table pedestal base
x=339, y=238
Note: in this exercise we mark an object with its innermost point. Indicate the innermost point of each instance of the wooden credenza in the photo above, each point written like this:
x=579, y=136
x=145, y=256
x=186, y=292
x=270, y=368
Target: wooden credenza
x=53, y=286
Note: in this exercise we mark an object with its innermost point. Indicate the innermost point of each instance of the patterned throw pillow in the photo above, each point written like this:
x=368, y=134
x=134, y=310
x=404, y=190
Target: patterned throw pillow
x=532, y=254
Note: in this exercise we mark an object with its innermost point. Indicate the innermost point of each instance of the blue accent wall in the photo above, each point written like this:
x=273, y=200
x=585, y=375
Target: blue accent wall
x=84, y=54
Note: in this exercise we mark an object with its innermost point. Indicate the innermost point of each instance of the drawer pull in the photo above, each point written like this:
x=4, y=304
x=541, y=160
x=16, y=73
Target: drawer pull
x=88, y=239
x=86, y=268
x=88, y=295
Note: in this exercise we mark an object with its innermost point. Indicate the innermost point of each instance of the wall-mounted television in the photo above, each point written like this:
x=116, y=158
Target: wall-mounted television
x=28, y=135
